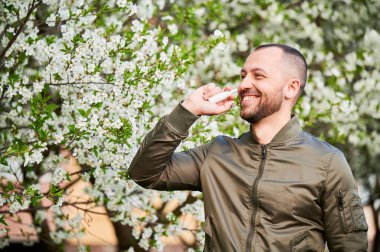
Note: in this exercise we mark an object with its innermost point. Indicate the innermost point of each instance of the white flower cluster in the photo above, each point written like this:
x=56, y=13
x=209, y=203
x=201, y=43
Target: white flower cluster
x=59, y=175
x=194, y=209
x=17, y=203
x=2, y=201
x=35, y=156
x=65, y=228
x=4, y=242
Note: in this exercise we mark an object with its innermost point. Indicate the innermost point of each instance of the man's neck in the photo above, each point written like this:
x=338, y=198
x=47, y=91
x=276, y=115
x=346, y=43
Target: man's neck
x=266, y=129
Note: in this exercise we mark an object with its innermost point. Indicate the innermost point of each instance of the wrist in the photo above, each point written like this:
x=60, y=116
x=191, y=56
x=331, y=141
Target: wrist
x=188, y=105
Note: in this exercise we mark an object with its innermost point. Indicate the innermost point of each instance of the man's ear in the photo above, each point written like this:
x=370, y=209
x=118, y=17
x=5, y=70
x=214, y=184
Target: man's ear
x=292, y=88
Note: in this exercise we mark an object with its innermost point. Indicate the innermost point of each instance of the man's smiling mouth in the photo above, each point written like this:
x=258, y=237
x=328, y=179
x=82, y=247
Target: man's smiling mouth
x=250, y=97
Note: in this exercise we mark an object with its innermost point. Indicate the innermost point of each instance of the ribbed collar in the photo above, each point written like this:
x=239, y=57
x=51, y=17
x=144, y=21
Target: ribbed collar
x=290, y=130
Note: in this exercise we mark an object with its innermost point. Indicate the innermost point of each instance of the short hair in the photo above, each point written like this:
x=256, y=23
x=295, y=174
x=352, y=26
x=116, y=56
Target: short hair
x=294, y=56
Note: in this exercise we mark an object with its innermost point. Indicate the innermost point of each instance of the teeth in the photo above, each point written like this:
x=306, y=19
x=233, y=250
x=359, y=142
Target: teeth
x=249, y=98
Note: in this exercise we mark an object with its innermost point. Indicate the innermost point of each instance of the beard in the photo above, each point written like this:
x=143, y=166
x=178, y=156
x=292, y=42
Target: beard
x=267, y=106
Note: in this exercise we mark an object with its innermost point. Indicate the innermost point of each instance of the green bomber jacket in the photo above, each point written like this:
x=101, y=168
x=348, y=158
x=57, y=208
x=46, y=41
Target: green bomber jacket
x=294, y=194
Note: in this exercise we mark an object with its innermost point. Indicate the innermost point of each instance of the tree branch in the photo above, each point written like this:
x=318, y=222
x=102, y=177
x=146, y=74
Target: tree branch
x=14, y=126
x=73, y=83
x=88, y=210
x=2, y=93
x=34, y=5
x=34, y=209
x=81, y=171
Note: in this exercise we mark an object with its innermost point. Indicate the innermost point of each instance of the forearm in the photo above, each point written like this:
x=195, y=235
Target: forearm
x=156, y=151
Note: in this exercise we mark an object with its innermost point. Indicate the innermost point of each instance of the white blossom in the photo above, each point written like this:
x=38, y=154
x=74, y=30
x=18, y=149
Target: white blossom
x=3, y=232
x=75, y=221
x=64, y=12
x=2, y=200
x=59, y=175
x=122, y=3
x=218, y=33
x=173, y=28
x=4, y=242
x=15, y=207
x=51, y=20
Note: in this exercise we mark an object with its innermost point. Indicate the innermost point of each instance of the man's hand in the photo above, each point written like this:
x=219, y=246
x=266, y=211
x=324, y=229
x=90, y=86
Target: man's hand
x=198, y=104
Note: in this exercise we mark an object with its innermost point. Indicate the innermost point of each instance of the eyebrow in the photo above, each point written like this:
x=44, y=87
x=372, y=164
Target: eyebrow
x=256, y=69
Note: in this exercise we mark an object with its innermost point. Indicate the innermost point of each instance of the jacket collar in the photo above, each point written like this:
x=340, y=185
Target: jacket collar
x=291, y=129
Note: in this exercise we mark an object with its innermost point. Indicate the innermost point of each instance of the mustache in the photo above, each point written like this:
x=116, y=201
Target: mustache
x=250, y=92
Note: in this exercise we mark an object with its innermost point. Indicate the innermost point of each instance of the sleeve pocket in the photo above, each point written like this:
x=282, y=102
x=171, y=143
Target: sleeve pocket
x=350, y=211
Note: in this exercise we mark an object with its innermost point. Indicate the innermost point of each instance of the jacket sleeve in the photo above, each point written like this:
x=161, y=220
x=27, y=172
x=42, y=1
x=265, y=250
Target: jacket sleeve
x=344, y=221
x=157, y=166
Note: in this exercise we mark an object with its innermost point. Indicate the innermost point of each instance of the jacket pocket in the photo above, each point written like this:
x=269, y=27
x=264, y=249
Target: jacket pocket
x=300, y=243
x=208, y=234
x=351, y=214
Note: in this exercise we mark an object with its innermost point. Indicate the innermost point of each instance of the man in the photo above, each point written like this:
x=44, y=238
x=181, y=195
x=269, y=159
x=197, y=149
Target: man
x=275, y=188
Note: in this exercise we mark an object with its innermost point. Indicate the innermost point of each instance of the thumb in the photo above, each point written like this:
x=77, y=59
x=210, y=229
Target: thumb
x=227, y=105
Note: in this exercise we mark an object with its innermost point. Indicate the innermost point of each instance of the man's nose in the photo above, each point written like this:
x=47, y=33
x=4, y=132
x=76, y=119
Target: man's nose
x=246, y=83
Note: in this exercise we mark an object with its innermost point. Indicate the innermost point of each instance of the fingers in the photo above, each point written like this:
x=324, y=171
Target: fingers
x=227, y=105
x=210, y=90
x=231, y=97
x=210, y=86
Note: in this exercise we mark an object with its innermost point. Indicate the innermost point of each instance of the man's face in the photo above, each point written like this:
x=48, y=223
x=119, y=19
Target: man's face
x=262, y=80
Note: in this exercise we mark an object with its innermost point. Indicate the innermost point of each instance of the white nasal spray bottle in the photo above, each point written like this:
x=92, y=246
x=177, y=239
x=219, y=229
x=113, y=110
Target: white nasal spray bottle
x=222, y=96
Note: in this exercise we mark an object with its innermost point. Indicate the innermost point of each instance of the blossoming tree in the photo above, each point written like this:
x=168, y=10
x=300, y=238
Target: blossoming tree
x=91, y=77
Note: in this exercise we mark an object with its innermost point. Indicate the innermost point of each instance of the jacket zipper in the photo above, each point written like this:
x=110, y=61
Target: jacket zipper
x=254, y=198
x=341, y=209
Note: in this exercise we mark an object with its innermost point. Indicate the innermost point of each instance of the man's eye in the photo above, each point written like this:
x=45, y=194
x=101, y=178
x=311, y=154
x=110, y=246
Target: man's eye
x=259, y=75
x=242, y=76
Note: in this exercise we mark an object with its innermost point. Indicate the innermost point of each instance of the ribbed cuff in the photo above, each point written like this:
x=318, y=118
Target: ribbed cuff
x=181, y=119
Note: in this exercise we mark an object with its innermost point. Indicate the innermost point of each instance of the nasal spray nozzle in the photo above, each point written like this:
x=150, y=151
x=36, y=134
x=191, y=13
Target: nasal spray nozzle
x=222, y=96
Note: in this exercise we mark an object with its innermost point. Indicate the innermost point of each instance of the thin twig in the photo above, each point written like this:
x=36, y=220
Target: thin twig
x=81, y=171
x=89, y=211
x=73, y=83
x=33, y=209
x=2, y=93
x=33, y=5
x=15, y=126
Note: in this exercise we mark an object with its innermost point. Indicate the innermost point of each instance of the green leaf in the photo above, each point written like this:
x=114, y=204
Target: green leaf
x=57, y=77
x=41, y=134
x=110, y=78
x=23, y=148
x=55, y=191
x=95, y=150
x=36, y=200
x=67, y=48
x=9, y=186
x=5, y=134
x=13, y=78
x=82, y=112
x=104, y=168
x=77, y=39
x=98, y=105
x=2, y=220
x=68, y=177
x=30, y=41
x=3, y=161
x=50, y=40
